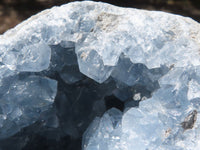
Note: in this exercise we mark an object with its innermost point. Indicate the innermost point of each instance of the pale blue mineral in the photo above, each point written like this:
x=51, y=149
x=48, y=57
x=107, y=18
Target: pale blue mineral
x=68, y=65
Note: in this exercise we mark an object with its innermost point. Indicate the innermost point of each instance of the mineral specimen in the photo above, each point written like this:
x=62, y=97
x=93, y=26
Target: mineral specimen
x=68, y=65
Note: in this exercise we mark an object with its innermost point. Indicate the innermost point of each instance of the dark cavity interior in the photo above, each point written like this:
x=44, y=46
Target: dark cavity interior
x=79, y=100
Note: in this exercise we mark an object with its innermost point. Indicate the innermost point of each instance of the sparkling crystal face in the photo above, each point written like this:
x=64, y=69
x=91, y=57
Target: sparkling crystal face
x=131, y=75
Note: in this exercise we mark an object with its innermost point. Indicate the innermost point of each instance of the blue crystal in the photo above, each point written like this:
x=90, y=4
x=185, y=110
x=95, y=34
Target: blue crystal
x=66, y=66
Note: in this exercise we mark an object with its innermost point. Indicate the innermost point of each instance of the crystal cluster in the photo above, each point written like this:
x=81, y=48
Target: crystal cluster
x=135, y=73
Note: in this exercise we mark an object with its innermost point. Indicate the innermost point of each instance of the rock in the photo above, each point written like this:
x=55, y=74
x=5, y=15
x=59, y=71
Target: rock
x=58, y=66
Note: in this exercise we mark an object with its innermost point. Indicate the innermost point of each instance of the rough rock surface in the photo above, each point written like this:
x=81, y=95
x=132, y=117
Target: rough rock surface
x=133, y=54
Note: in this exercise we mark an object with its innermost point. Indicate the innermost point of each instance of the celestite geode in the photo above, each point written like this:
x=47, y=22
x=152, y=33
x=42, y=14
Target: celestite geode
x=61, y=68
